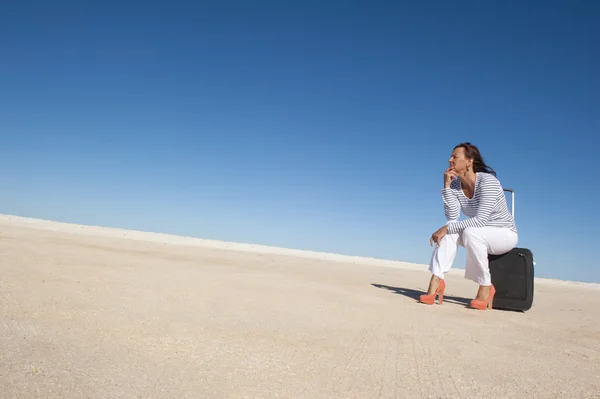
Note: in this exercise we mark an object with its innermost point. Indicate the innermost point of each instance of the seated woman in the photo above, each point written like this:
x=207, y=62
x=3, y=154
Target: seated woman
x=471, y=186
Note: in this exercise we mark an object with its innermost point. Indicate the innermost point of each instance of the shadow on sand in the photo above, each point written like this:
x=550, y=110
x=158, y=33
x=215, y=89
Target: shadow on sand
x=414, y=294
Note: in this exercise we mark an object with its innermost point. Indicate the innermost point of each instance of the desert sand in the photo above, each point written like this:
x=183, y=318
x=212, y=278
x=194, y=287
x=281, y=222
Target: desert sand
x=93, y=312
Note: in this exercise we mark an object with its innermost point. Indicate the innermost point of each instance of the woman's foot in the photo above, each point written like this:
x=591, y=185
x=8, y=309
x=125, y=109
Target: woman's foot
x=485, y=298
x=483, y=292
x=436, y=287
x=434, y=283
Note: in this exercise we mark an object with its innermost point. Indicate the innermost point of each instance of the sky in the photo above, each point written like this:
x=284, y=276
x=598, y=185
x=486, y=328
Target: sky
x=319, y=125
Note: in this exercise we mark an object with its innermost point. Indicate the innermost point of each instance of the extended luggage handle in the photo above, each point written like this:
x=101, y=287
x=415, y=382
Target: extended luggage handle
x=512, y=197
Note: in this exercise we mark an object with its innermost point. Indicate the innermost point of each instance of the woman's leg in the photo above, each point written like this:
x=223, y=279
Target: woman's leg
x=481, y=241
x=444, y=254
x=442, y=259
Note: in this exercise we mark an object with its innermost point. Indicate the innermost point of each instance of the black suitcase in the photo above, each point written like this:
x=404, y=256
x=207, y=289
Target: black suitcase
x=512, y=276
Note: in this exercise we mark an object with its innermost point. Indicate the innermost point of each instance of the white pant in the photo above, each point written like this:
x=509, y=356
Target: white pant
x=479, y=242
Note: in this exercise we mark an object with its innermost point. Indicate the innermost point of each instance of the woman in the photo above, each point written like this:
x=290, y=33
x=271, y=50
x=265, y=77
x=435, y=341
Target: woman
x=471, y=186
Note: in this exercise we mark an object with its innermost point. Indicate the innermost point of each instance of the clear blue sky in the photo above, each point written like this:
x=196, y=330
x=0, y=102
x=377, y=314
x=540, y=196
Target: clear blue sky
x=316, y=125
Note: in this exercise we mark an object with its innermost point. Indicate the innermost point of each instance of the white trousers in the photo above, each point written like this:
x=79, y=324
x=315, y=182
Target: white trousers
x=479, y=242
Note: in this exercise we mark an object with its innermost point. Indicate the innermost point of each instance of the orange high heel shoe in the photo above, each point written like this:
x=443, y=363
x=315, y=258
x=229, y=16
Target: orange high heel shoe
x=483, y=305
x=430, y=299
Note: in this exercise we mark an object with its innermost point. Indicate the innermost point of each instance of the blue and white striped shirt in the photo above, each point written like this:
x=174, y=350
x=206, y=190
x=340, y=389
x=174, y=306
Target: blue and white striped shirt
x=487, y=207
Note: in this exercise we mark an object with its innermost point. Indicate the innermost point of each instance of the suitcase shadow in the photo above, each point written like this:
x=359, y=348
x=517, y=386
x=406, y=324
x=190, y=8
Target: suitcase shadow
x=414, y=294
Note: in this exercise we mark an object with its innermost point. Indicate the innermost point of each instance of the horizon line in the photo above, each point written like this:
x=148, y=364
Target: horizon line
x=175, y=239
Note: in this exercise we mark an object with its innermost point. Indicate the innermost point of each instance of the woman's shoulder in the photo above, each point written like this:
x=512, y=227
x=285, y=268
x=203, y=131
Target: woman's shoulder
x=489, y=180
x=488, y=177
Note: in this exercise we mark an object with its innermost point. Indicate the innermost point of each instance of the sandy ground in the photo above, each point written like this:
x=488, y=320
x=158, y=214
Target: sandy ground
x=89, y=312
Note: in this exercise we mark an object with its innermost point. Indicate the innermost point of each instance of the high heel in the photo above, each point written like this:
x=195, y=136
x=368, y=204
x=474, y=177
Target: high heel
x=483, y=305
x=430, y=299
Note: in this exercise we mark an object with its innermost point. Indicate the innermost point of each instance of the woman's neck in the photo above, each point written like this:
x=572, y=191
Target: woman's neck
x=468, y=179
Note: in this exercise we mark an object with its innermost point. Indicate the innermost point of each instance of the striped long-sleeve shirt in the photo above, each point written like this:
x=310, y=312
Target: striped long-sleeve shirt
x=487, y=207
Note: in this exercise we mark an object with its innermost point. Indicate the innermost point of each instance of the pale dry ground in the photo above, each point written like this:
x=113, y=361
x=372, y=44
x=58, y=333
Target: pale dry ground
x=87, y=312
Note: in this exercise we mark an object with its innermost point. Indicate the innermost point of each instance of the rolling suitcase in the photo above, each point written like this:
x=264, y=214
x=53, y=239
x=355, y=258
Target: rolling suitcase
x=512, y=276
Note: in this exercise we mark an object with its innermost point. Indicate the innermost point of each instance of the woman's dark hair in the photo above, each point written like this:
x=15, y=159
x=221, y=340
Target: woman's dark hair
x=471, y=151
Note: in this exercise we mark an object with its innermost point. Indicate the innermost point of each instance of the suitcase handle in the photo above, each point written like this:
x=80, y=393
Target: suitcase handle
x=512, y=195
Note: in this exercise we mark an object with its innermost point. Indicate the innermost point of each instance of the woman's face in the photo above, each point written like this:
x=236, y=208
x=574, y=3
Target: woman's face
x=458, y=161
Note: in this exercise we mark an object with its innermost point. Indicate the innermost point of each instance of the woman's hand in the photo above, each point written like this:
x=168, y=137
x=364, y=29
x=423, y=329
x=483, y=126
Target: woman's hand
x=449, y=175
x=438, y=235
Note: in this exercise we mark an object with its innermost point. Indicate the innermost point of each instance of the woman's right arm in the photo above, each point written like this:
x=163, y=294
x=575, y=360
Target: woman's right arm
x=451, y=204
